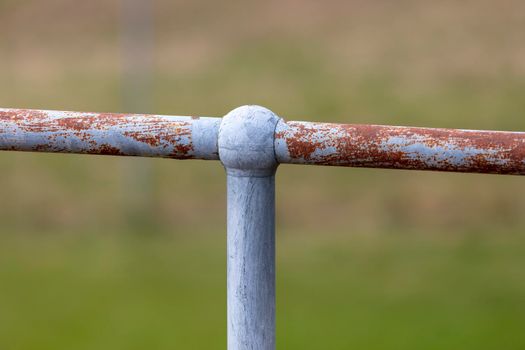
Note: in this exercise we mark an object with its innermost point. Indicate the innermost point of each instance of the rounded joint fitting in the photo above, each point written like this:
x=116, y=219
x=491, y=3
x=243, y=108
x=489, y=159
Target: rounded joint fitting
x=246, y=141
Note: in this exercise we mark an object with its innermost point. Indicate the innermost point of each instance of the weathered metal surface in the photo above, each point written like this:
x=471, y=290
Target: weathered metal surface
x=246, y=141
x=109, y=134
x=177, y=137
x=376, y=146
x=246, y=150
x=251, y=262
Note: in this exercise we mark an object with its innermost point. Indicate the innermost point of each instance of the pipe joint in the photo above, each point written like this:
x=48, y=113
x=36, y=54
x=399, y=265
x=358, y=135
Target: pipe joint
x=246, y=141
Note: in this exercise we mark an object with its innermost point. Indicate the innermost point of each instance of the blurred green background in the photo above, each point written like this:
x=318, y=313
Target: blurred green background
x=111, y=253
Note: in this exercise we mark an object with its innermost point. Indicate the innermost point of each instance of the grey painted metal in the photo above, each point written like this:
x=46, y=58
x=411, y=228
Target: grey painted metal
x=372, y=146
x=251, y=262
x=247, y=152
x=109, y=133
x=398, y=147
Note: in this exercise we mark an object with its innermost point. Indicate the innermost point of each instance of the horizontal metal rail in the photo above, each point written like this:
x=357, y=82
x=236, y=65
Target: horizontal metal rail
x=109, y=133
x=396, y=147
x=371, y=146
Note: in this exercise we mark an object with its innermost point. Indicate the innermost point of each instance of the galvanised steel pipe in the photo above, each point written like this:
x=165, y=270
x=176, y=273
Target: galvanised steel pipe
x=250, y=142
x=395, y=147
x=372, y=146
x=109, y=134
x=246, y=150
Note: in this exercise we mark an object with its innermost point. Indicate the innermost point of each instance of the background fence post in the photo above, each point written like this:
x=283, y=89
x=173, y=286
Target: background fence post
x=246, y=148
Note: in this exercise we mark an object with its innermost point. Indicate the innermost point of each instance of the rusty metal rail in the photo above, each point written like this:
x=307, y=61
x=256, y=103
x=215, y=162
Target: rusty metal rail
x=251, y=142
x=372, y=146
x=395, y=147
x=109, y=134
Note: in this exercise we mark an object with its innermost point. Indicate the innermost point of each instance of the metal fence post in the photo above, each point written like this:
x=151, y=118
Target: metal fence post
x=246, y=148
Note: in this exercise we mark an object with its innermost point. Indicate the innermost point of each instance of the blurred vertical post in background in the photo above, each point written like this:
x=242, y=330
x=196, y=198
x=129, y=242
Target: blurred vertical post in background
x=136, y=52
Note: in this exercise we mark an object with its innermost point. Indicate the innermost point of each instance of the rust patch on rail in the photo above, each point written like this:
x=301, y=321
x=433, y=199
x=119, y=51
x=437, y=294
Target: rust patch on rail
x=108, y=150
x=150, y=139
x=182, y=151
x=301, y=144
x=164, y=134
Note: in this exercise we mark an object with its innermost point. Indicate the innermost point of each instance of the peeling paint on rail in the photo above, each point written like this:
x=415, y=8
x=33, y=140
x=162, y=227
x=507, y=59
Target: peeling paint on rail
x=109, y=134
x=394, y=147
x=372, y=146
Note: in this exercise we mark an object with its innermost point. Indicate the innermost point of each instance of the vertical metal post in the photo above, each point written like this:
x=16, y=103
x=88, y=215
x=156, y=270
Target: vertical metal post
x=246, y=148
x=251, y=262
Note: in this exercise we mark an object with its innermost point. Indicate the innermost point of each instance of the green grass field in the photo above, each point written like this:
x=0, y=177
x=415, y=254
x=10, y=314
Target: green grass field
x=111, y=253
x=376, y=292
